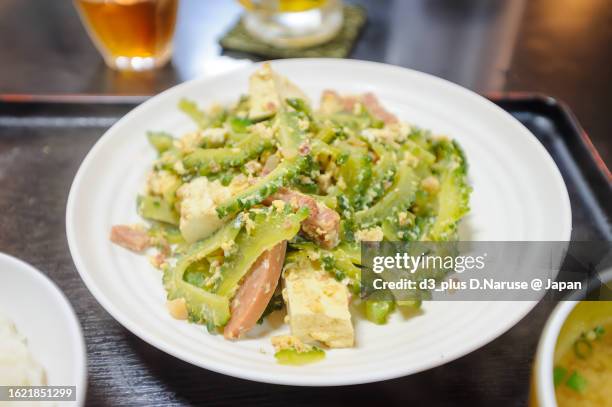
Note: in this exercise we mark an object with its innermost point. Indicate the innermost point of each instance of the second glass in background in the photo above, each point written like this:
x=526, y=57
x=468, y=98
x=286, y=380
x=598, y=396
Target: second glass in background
x=293, y=23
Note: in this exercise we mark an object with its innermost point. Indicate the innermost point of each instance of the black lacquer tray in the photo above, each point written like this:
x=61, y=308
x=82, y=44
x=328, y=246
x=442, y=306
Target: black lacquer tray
x=44, y=139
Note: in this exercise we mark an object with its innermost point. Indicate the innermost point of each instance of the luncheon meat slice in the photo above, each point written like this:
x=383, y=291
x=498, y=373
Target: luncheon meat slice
x=131, y=237
x=255, y=292
x=332, y=102
x=322, y=224
x=371, y=102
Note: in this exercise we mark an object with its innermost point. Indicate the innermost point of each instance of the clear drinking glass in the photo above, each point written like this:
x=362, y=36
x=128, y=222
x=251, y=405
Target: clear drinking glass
x=293, y=23
x=131, y=35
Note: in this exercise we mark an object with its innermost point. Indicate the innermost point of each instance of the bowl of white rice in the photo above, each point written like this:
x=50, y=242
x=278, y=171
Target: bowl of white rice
x=41, y=343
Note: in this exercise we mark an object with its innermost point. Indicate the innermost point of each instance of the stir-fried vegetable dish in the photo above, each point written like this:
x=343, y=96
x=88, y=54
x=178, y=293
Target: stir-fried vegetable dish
x=264, y=205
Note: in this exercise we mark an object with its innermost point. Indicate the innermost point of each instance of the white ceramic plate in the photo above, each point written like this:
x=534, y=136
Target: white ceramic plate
x=44, y=316
x=518, y=195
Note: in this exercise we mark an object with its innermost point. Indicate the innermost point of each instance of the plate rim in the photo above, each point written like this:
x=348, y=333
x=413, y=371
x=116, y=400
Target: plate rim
x=275, y=378
x=73, y=319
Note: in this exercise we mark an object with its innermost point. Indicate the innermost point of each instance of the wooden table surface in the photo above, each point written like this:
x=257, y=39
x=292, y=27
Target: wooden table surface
x=561, y=48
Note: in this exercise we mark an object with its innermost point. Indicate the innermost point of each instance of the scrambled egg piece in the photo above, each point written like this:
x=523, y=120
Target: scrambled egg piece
x=163, y=183
x=289, y=342
x=214, y=136
x=374, y=234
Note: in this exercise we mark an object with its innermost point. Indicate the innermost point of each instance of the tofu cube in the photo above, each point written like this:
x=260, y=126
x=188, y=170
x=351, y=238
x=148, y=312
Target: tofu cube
x=198, y=202
x=318, y=307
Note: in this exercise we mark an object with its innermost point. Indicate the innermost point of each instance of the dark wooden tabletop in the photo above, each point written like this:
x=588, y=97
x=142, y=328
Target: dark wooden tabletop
x=560, y=48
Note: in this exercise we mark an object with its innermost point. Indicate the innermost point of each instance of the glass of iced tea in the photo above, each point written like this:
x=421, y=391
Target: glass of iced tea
x=293, y=23
x=131, y=35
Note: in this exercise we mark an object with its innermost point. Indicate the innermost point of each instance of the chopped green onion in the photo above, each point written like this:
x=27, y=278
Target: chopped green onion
x=576, y=382
x=583, y=348
x=599, y=331
x=559, y=374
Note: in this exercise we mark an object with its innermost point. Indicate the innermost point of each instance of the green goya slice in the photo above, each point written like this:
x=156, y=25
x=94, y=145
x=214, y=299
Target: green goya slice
x=378, y=311
x=357, y=175
x=156, y=208
x=207, y=161
x=202, y=306
x=269, y=229
x=351, y=121
x=166, y=232
x=282, y=175
x=454, y=194
x=290, y=135
x=292, y=357
x=191, y=109
x=400, y=195
x=453, y=204
x=202, y=119
x=160, y=140
x=382, y=174
x=418, y=151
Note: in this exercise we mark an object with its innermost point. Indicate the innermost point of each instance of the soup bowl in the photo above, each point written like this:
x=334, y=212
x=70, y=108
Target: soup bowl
x=568, y=321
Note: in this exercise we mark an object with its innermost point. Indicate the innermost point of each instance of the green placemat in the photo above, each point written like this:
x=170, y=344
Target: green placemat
x=238, y=39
